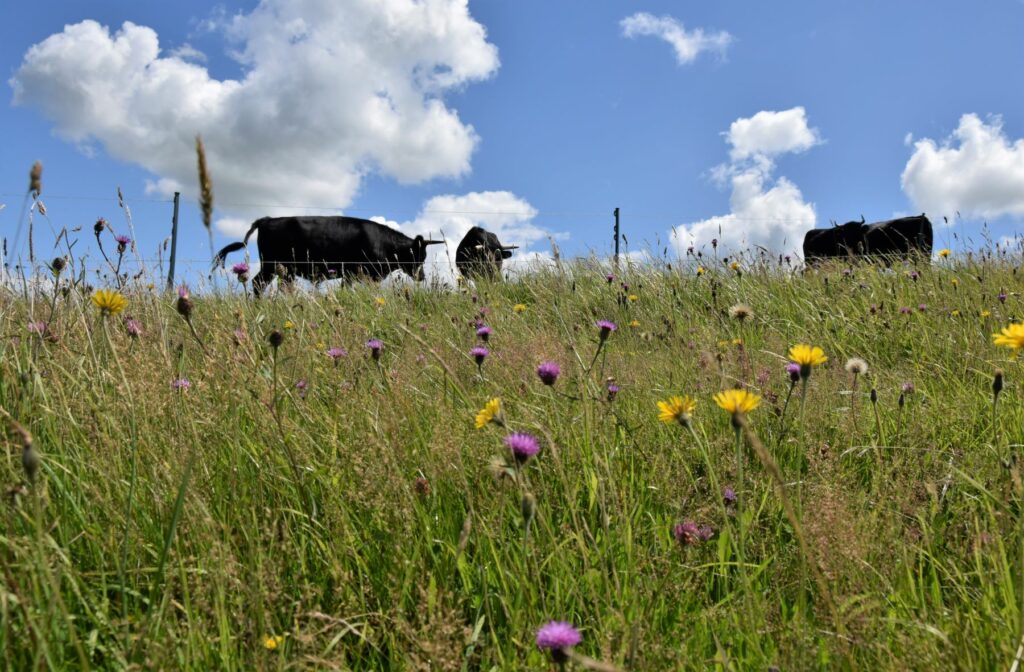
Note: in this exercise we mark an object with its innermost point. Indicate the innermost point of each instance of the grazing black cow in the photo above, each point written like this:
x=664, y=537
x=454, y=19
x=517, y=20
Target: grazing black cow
x=893, y=238
x=480, y=254
x=322, y=248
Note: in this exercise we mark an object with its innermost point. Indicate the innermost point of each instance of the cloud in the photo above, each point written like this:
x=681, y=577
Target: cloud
x=764, y=211
x=687, y=45
x=330, y=92
x=977, y=171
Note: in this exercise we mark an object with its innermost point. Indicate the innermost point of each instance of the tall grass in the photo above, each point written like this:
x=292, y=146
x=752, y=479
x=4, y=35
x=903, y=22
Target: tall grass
x=359, y=521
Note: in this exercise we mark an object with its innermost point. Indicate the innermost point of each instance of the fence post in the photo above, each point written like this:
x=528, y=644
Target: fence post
x=174, y=242
x=616, y=239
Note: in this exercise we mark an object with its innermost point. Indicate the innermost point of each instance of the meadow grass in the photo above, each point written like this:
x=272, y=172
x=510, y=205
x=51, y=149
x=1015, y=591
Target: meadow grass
x=290, y=510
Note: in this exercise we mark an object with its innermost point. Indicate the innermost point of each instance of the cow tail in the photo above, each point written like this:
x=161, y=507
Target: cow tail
x=234, y=247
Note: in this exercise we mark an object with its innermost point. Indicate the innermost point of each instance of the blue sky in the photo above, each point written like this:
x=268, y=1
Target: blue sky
x=551, y=114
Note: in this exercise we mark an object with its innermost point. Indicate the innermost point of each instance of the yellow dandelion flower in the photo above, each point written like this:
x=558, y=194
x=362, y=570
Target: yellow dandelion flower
x=634, y=297
x=634, y=323
x=1011, y=337
x=735, y=265
x=380, y=301
x=491, y=412
x=986, y=313
x=955, y=281
x=150, y=286
x=288, y=324
x=701, y=270
x=944, y=252
x=955, y=312
x=109, y=302
x=271, y=642
x=806, y=355
x=737, y=401
x=676, y=409
x=519, y=308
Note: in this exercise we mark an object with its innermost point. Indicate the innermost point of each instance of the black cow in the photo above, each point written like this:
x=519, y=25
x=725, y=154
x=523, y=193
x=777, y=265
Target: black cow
x=893, y=238
x=480, y=254
x=321, y=248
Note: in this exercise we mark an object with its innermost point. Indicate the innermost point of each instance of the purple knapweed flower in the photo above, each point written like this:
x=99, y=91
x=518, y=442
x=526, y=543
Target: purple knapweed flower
x=1002, y=297
x=548, y=372
x=122, y=243
x=914, y=275
x=907, y=388
x=606, y=328
x=922, y=307
x=181, y=385
x=301, y=386
x=484, y=332
x=689, y=533
x=793, y=369
x=337, y=353
x=375, y=345
x=557, y=636
x=241, y=270
x=905, y=310
x=610, y=278
x=479, y=353
x=728, y=496
x=613, y=390
x=133, y=327
x=523, y=446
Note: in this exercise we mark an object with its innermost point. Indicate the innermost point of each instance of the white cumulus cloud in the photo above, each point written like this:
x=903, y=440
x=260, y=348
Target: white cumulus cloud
x=977, y=171
x=330, y=91
x=687, y=44
x=764, y=211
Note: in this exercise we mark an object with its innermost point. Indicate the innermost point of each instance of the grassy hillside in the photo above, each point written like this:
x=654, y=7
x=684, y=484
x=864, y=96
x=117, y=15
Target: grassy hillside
x=290, y=509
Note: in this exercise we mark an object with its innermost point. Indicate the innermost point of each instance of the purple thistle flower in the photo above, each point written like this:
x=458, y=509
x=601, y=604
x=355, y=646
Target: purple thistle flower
x=181, y=385
x=613, y=390
x=336, y=353
x=1002, y=297
x=728, y=496
x=606, y=328
x=922, y=307
x=905, y=310
x=523, y=446
x=241, y=269
x=907, y=388
x=610, y=278
x=689, y=533
x=122, y=240
x=484, y=332
x=557, y=636
x=548, y=372
x=375, y=345
x=183, y=292
x=479, y=353
x=133, y=327
x=793, y=369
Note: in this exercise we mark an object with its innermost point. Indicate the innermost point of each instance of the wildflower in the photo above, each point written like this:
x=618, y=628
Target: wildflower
x=241, y=271
x=548, y=372
x=133, y=327
x=737, y=402
x=375, y=345
x=606, y=328
x=38, y=328
x=986, y=313
x=98, y=227
x=479, y=353
x=1002, y=297
x=914, y=275
x=905, y=310
x=997, y=382
x=276, y=338
x=1011, y=337
x=735, y=266
x=122, y=243
x=57, y=265
x=922, y=307
x=955, y=282
x=907, y=388
x=856, y=366
x=610, y=278
x=271, y=642
x=633, y=297
x=677, y=409
x=181, y=385
x=701, y=271
x=484, y=332
x=519, y=308
x=523, y=446
x=634, y=324
x=741, y=312
x=613, y=390
x=109, y=302
x=793, y=369
x=557, y=636
x=728, y=496
x=689, y=533
x=301, y=385
x=491, y=412
x=944, y=253
x=714, y=243
x=955, y=312
x=336, y=354
x=380, y=301
x=184, y=304
x=807, y=356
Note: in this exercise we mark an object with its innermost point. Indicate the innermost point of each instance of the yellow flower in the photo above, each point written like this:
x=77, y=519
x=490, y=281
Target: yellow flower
x=735, y=265
x=109, y=302
x=737, y=401
x=1011, y=337
x=986, y=313
x=737, y=341
x=271, y=642
x=491, y=412
x=288, y=324
x=955, y=281
x=944, y=252
x=806, y=355
x=519, y=307
x=380, y=301
x=633, y=297
x=676, y=409
x=955, y=312
x=635, y=323
x=701, y=270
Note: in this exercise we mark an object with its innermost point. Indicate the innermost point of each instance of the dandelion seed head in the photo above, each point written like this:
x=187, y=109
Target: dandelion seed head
x=856, y=366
